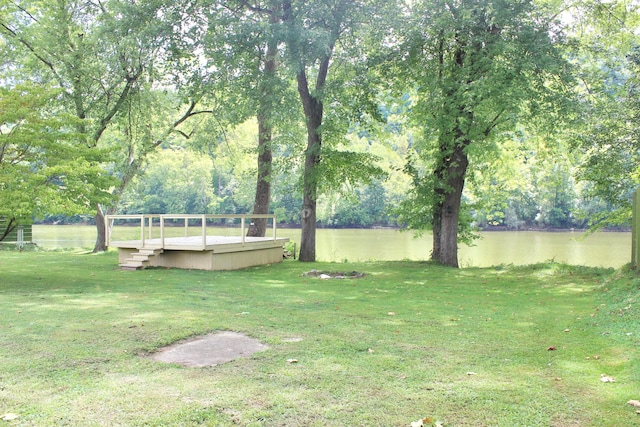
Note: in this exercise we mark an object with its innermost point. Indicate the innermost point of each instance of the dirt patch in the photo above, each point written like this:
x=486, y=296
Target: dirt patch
x=334, y=274
x=209, y=350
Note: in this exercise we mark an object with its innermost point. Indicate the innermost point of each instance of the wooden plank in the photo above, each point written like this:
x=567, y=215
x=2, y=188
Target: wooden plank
x=195, y=242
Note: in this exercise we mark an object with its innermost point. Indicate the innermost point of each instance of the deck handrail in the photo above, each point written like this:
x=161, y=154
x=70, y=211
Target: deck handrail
x=148, y=219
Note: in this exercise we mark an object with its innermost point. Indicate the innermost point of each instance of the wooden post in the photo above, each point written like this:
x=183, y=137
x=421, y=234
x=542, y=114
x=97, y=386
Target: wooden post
x=107, y=230
x=274, y=227
x=20, y=237
x=204, y=232
x=142, y=230
x=162, y=231
x=635, y=231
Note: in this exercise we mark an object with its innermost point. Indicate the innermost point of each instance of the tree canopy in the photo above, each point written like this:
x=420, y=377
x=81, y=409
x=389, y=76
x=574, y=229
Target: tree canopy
x=479, y=68
x=46, y=166
x=429, y=114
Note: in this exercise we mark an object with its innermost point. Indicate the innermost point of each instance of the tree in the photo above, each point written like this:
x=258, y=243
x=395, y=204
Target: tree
x=242, y=45
x=106, y=58
x=477, y=67
x=609, y=57
x=95, y=66
x=313, y=31
x=45, y=165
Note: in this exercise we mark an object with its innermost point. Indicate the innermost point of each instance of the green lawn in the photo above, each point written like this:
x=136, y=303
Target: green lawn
x=409, y=340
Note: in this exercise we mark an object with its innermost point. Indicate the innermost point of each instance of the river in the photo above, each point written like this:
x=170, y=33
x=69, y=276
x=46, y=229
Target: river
x=493, y=248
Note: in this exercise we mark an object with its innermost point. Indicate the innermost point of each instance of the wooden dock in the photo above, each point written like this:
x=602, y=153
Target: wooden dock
x=155, y=248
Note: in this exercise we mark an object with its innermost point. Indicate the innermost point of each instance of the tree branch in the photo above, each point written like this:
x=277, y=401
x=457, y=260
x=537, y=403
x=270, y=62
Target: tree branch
x=26, y=12
x=258, y=9
x=131, y=80
x=10, y=226
x=495, y=122
x=28, y=45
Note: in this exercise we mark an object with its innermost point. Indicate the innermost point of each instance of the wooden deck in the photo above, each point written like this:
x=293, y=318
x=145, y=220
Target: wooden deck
x=203, y=252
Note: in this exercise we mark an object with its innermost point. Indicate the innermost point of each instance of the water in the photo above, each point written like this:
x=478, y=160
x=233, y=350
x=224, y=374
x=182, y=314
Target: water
x=509, y=247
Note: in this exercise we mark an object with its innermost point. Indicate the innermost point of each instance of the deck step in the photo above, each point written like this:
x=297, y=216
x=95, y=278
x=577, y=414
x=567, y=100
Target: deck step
x=139, y=260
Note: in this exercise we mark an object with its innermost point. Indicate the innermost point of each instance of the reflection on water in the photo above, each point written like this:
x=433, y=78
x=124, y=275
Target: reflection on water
x=509, y=247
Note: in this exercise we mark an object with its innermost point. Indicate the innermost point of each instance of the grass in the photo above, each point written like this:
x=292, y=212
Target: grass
x=409, y=340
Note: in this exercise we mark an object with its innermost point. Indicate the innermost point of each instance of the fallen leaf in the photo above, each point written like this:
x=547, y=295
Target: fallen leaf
x=471, y=373
x=567, y=330
x=10, y=417
x=635, y=403
x=426, y=421
x=551, y=348
x=370, y=350
x=558, y=379
x=596, y=357
x=607, y=379
x=292, y=360
x=391, y=313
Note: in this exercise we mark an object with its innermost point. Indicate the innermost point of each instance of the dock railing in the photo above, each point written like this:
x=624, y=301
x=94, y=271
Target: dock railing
x=147, y=225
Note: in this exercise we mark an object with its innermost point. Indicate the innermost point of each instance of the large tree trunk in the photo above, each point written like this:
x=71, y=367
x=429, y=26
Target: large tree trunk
x=101, y=213
x=308, y=235
x=101, y=227
x=446, y=237
x=313, y=109
x=258, y=227
x=310, y=186
x=101, y=239
x=449, y=231
x=436, y=219
x=436, y=225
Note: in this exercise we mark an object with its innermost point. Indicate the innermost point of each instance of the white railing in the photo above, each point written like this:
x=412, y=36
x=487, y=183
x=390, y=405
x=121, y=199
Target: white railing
x=146, y=223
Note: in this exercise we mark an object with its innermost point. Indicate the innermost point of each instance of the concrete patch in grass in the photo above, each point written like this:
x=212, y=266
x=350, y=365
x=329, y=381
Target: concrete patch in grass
x=209, y=350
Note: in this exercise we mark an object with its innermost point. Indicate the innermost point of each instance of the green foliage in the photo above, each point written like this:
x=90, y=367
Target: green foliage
x=45, y=165
x=610, y=68
x=139, y=76
x=361, y=207
x=476, y=71
x=174, y=181
x=341, y=169
x=108, y=61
